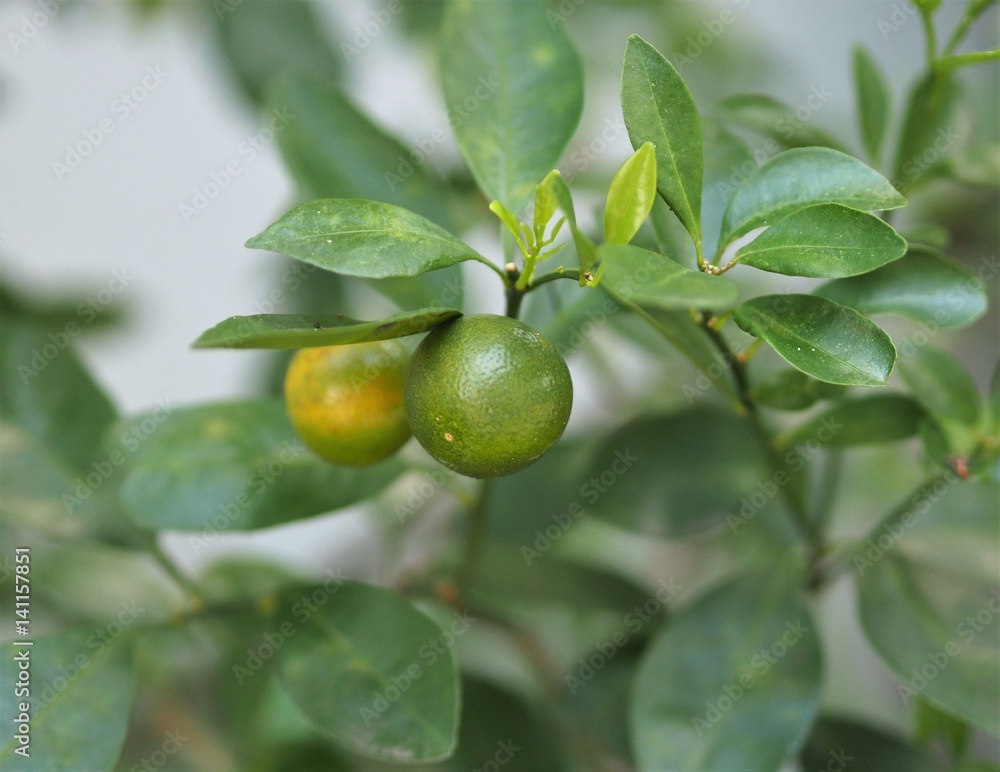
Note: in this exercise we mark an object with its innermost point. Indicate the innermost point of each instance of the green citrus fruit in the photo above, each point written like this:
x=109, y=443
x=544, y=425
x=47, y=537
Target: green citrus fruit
x=487, y=395
x=346, y=402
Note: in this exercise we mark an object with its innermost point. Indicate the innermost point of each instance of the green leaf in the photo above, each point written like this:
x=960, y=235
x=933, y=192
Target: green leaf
x=363, y=238
x=631, y=196
x=514, y=87
x=842, y=742
x=586, y=250
x=924, y=285
x=650, y=279
x=301, y=330
x=728, y=160
x=927, y=584
x=772, y=118
x=261, y=38
x=861, y=421
x=81, y=693
x=791, y=389
x=732, y=683
x=46, y=390
x=979, y=165
x=334, y=150
x=370, y=670
x=799, y=178
x=233, y=466
x=994, y=398
x=824, y=241
x=873, y=102
x=933, y=724
x=821, y=338
x=942, y=384
x=658, y=108
x=929, y=131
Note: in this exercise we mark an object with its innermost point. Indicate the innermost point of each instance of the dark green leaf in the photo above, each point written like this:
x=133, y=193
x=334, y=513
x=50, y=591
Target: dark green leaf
x=837, y=743
x=81, y=692
x=658, y=108
x=873, y=102
x=363, y=238
x=933, y=724
x=928, y=591
x=234, y=466
x=791, y=389
x=261, y=38
x=732, y=683
x=929, y=131
x=924, y=285
x=942, y=384
x=46, y=391
x=652, y=280
x=773, y=119
x=823, y=339
x=631, y=196
x=861, y=421
x=369, y=669
x=507, y=73
x=333, y=150
x=824, y=241
x=300, y=330
x=801, y=177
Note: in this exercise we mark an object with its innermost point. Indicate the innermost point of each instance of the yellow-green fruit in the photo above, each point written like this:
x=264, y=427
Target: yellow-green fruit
x=487, y=395
x=346, y=402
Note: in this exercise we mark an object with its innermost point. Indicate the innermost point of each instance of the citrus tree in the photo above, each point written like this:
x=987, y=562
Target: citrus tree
x=650, y=591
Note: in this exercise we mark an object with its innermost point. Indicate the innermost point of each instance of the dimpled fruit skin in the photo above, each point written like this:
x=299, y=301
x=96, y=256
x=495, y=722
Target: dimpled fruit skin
x=487, y=395
x=346, y=402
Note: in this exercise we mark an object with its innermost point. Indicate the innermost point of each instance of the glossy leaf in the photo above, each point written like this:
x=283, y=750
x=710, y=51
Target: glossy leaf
x=658, y=108
x=506, y=74
x=861, y=748
x=363, y=669
x=363, y=238
x=824, y=241
x=732, y=683
x=873, y=102
x=927, y=584
x=924, y=285
x=773, y=119
x=233, y=466
x=928, y=133
x=861, y=421
x=651, y=279
x=81, y=694
x=791, y=389
x=301, y=330
x=942, y=384
x=333, y=150
x=631, y=196
x=823, y=339
x=585, y=248
x=801, y=177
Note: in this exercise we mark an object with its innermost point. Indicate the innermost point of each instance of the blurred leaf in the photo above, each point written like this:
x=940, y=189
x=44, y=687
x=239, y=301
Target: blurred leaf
x=933, y=723
x=924, y=285
x=791, y=389
x=799, y=178
x=238, y=577
x=658, y=108
x=385, y=689
x=873, y=102
x=520, y=73
x=837, y=743
x=942, y=384
x=233, y=466
x=631, y=196
x=597, y=711
x=363, y=238
x=57, y=314
x=824, y=241
x=649, y=279
x=859, y=421
x=733, y=682
x=772, y=118
x=927, y=584
x=334, y=150
x=823, y=339
x=301, y=331
x=978, y=166
x=81, y=692
x=46, y=391
x=728, y=161
x=928, y=132
x=261, y=38
x=994, y=397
